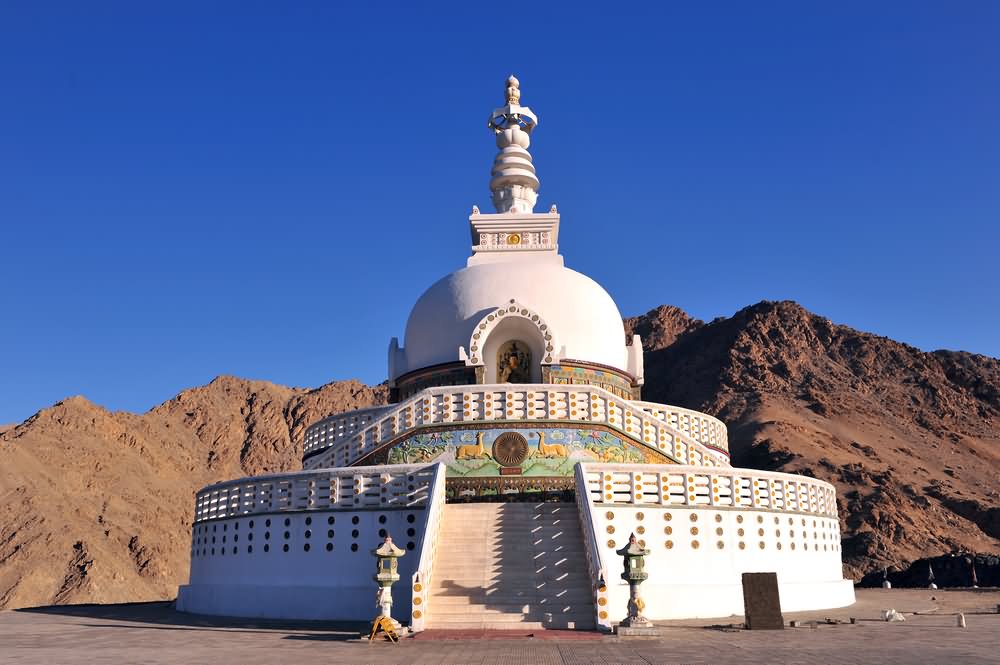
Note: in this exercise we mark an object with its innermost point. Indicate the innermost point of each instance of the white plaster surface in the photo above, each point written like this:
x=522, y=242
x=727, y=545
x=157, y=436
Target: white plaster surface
x=582, y=315
x=318, y=584
x=687, y=582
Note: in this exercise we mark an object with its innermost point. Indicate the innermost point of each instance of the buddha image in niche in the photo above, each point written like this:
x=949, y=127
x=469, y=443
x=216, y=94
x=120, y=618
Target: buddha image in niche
x=514, y=363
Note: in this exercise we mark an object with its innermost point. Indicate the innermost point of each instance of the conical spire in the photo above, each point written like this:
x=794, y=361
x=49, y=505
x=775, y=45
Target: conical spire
x=514, y=184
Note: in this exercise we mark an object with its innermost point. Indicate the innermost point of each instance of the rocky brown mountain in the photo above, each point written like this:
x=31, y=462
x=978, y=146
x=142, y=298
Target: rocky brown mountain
x=96, y=506
x=660, y=327
x=910, y=439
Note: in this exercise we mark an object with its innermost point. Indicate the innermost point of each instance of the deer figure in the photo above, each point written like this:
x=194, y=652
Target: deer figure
x=473, y=451
x=547, y=450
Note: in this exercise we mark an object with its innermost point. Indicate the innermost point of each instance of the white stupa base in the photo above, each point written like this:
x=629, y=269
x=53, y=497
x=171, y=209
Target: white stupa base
x=341, y=603
x=300, y=602
x=707, y=601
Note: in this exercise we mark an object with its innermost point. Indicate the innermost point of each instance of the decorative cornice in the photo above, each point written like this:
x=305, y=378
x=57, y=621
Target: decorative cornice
x=586, y=364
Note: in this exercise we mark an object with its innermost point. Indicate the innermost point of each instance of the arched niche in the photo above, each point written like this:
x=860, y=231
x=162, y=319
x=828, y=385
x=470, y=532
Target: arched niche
x=511, y=323
x=518, y=332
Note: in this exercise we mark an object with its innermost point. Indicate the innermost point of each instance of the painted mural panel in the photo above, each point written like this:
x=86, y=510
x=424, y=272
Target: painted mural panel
x=570, y=375
x=507, y=451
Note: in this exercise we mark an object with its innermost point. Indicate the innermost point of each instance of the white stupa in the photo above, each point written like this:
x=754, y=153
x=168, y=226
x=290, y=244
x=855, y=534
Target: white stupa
x=515, y=457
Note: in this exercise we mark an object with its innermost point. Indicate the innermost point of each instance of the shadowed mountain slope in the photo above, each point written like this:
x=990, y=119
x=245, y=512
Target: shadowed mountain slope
x=910, y=439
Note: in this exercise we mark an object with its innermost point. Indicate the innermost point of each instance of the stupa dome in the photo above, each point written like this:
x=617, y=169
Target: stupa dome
x=580, y=315
x=515, y=308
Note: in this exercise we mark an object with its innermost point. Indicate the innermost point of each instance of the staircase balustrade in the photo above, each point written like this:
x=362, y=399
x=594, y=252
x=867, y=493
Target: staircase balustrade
x=424, y=575
x=598, y=575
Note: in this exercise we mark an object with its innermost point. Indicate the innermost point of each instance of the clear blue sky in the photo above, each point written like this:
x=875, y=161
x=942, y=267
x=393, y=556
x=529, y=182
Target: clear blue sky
x=263, y=189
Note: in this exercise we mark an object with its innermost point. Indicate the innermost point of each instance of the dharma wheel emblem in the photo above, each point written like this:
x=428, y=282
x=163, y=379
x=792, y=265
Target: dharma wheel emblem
x=510, y=449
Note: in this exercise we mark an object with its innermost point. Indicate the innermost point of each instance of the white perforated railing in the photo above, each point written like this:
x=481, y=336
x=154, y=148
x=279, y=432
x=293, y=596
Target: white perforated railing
x=520, y=403
x=699, y=426
x=598, y=577
x=698, y=486
x=424, y=575
x=329, y=431
x=395, y=486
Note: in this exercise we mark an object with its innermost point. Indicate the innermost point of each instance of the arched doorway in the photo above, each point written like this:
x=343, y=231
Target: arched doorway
x=511, y=346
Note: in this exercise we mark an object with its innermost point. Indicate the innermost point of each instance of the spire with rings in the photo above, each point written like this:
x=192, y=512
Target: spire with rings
x=514, y=185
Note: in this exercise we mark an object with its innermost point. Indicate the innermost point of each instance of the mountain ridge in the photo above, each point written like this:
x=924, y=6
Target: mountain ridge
x=909, y=438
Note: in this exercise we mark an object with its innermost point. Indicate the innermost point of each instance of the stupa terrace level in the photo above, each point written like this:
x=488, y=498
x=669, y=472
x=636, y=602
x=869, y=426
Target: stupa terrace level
x=682, y=435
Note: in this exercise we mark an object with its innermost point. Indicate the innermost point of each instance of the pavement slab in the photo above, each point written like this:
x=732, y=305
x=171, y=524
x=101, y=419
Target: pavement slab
x=155, y=633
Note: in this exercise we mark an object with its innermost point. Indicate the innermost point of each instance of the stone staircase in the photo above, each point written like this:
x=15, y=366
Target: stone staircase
x=511, y=565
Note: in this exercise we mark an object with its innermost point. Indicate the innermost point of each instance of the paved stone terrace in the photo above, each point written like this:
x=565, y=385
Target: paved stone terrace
x=155, y=633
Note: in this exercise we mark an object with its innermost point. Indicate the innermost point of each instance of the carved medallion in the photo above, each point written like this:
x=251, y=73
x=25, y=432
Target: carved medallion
x=510, y=449
x=514, y=239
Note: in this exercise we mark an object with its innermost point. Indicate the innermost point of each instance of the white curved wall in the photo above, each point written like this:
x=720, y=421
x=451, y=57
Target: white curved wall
x=704, y=528
x=318, y=577
x=698, y=575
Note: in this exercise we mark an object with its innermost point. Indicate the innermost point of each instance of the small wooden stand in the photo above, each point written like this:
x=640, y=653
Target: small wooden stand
x=384, y=624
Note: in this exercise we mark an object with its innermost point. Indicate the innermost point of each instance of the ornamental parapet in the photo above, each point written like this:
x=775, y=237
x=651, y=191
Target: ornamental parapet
x=682, y=435
x=700, y=487
x=339, y=427
x=699, y=426
x=375, y=487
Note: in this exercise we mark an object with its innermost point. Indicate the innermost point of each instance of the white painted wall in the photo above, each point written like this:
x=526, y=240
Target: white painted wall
x=688, y=581
x=299, y=584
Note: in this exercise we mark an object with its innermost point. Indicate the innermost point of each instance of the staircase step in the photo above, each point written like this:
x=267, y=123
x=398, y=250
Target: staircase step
x=511, y=565
x=546, y=588
x=509, y=608
x=511, y=614
x=480, y=579
x=508, y=600
x=519, y=624
x=541, y=566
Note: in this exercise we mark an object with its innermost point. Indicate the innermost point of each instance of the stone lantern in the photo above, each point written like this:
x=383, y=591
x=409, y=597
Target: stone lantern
x=385, y=574
x=634, y=558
